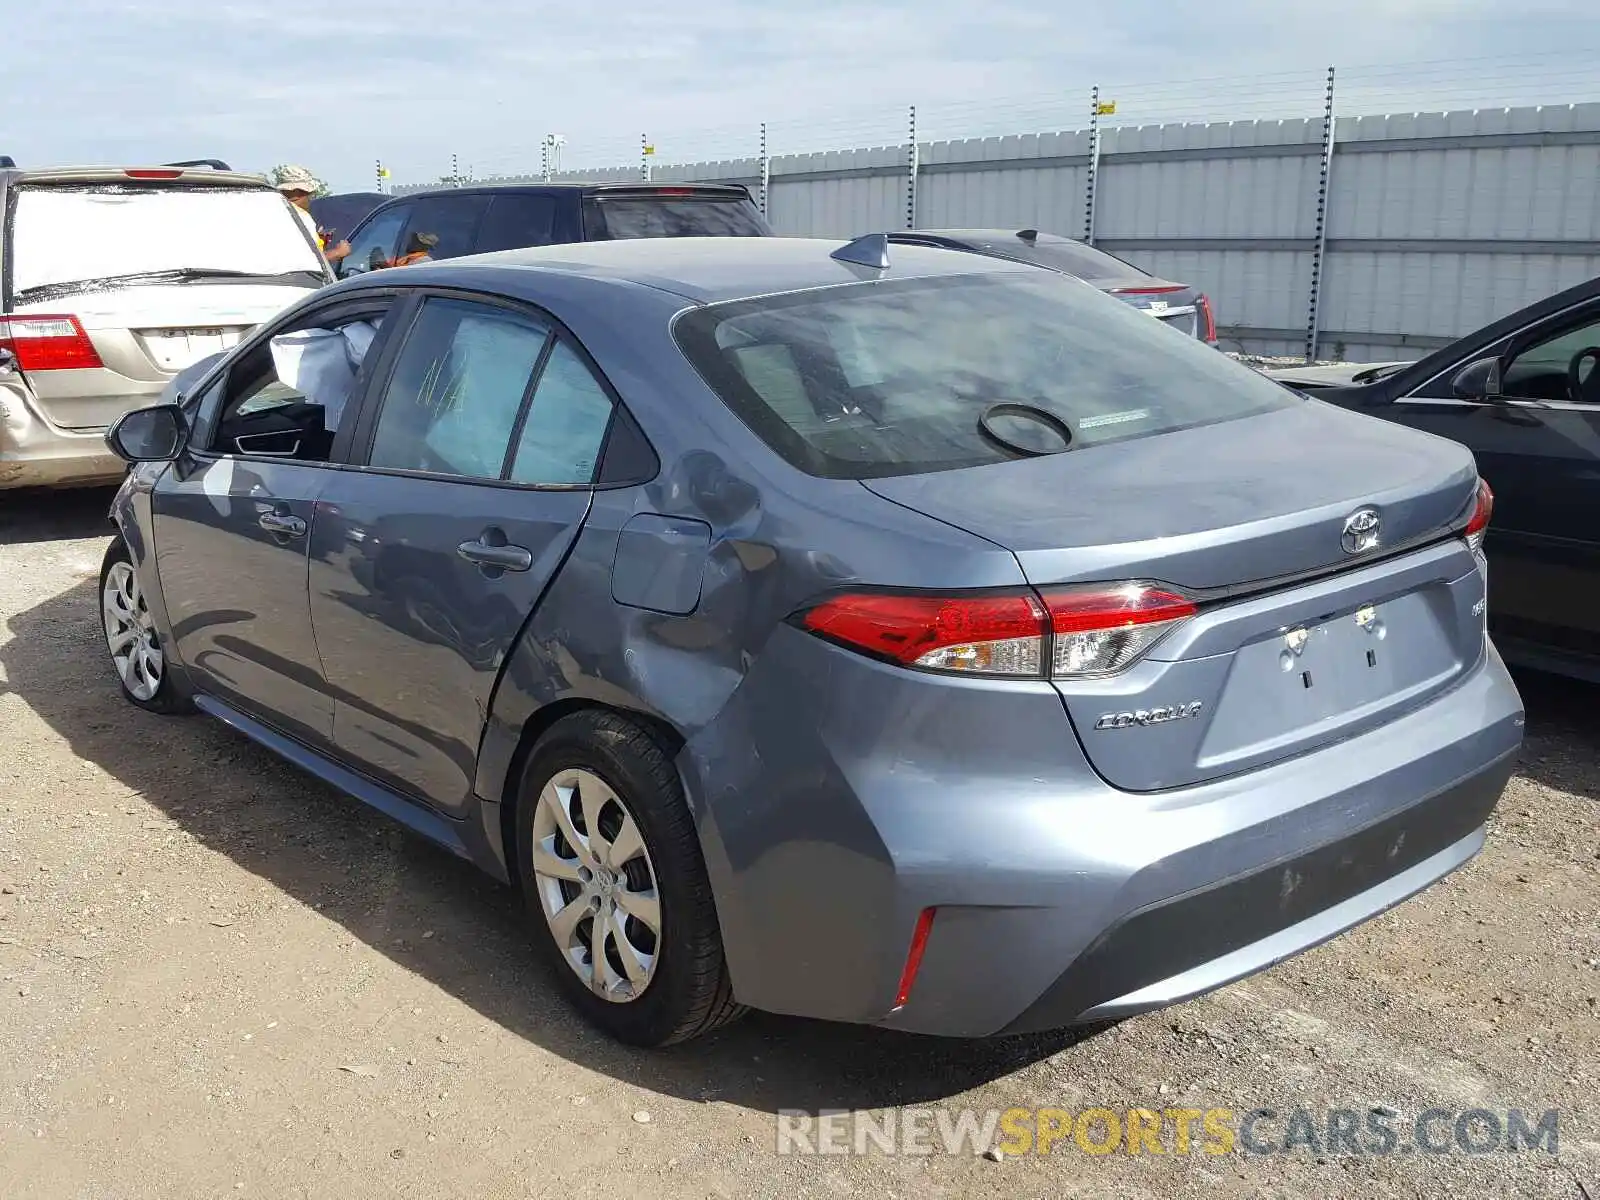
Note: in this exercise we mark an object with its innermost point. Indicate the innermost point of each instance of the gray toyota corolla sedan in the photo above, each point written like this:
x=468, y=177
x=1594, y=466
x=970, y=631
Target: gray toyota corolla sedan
x=882, y=634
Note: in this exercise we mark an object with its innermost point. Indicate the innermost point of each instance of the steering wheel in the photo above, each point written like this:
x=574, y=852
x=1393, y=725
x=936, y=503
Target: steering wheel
x=1584, y=390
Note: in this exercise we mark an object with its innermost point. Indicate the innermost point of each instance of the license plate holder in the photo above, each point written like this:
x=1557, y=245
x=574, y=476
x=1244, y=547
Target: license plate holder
x=175, y=348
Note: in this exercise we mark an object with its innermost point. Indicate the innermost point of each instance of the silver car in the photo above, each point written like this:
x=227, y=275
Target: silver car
x=881, y=634
x=112, y=280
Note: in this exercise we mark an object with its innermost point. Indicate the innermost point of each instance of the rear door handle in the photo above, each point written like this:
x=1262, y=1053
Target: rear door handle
x=282, y=524
x=499, y=557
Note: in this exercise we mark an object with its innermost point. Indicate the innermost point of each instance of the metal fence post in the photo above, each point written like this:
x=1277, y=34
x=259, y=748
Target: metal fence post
x=1319, y=253
x=912, y=154
x=1094, y=164
x=766, y=169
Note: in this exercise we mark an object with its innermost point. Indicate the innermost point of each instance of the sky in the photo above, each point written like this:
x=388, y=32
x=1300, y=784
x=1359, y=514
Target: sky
x=338, y=86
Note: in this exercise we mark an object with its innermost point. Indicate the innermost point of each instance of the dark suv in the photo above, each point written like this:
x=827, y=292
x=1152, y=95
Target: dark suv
x=477, y=220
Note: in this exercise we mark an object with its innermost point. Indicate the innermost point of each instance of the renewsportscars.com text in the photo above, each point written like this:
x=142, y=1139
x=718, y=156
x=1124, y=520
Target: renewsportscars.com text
x=1373, y=1131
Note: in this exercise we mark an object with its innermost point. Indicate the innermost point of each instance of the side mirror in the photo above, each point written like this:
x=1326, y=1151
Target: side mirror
x=149, y=434
x=1478, y=380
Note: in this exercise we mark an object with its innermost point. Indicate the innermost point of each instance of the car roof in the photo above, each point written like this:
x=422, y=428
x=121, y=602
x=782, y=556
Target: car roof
x=621, y=185
x=704, y=270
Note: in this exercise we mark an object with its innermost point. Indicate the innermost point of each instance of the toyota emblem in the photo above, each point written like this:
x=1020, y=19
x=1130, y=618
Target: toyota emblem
x=1360, y=531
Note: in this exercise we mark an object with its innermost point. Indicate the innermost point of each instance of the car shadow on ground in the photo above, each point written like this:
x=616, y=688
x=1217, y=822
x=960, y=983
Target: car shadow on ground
x=389, y=889
x=34, y=515
x=1563, y=734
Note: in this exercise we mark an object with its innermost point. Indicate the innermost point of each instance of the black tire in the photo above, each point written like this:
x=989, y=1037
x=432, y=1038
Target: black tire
x=170, y=698
x=690, y=993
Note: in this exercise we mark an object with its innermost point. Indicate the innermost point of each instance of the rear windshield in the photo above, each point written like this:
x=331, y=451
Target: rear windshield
x=607, y=218
x=62, y=236
x=870, y=379
x=1074, y=258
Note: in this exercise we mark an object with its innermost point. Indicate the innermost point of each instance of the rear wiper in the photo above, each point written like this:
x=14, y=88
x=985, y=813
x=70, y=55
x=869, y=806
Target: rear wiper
x=46, y=291
x=1024, y=412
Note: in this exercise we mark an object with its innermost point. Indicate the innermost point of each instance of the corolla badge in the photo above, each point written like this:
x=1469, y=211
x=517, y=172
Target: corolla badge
x=1142, y=717
x=1361, y=530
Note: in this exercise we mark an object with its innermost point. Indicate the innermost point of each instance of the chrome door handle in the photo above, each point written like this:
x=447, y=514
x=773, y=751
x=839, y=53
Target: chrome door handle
x=501, y=558
x=282, y=524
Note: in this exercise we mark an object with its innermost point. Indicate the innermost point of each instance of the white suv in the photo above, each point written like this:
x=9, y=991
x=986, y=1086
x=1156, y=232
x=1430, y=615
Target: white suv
x=112, y=280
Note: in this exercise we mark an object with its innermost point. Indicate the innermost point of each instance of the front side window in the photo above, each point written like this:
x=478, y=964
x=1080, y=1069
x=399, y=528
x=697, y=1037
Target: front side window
x=871, y=379
x=452, y=403
x=374, y=246
x=289, y=395
x=1551, y=369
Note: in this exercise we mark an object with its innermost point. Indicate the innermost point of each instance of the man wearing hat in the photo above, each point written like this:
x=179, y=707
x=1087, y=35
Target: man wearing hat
x=419, y=249
x=299, y=185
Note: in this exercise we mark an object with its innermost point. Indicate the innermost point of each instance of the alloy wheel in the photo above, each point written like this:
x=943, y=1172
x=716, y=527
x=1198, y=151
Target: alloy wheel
x=131, y=633
x=596, y=885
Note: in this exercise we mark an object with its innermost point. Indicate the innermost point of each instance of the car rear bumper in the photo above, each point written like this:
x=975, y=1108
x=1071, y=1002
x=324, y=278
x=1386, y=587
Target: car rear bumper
x=1190, y=944
x=36, y=453
x=1057, y=898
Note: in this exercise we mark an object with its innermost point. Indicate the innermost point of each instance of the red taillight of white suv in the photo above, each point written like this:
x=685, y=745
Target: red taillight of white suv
x=48, y=343
x=1056, y=633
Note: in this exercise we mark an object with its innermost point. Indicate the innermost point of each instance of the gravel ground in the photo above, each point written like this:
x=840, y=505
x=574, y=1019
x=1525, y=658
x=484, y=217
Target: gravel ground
x=219, y=978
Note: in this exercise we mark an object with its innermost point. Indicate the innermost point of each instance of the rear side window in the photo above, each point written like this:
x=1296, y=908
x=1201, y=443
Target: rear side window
x=452, y=219
x=608, y=218
x=873, y=379
x=516, y=221
x=452, y=404
x=66, y=238
x=566, y=424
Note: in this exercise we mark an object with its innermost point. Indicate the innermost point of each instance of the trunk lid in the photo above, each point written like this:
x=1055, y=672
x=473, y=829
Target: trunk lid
x=1227, y=505
x=1298, y=642
x=1174, y=305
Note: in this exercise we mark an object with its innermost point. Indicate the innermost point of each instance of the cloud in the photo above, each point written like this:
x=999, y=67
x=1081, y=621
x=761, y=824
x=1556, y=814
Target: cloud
x=337, y=86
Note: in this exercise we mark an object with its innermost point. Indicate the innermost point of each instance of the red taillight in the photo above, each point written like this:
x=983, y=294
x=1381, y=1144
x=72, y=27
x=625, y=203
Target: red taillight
x=48, y=343
x=1208, y=327
x=1064, y=632
x=1155, y=289
x=1482, y=511
x=919, y=943
x=986, y=635
x=1103, y=630
x=152, y=173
